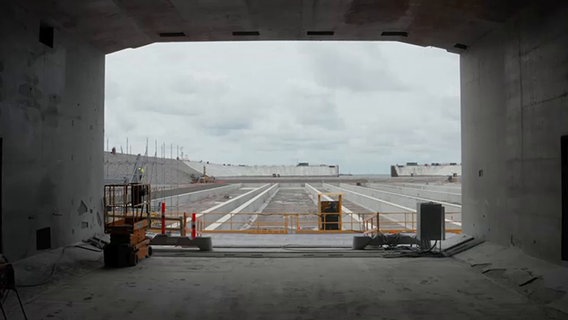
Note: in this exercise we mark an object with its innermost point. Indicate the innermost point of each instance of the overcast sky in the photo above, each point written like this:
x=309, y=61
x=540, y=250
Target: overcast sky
x=362, y=105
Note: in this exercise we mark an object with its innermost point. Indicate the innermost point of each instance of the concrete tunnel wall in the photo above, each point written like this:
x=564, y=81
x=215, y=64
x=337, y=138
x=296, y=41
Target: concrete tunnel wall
x=514, y=89
x=51, y=123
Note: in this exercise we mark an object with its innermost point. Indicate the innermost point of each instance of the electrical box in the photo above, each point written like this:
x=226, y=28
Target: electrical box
x=430, y=219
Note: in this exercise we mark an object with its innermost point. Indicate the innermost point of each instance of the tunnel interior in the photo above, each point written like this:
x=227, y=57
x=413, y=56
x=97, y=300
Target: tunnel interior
x=513, y=103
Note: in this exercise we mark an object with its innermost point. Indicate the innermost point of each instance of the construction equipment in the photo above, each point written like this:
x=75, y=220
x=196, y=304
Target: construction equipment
x=127, y=217
x=204, y=178
x=330, y=211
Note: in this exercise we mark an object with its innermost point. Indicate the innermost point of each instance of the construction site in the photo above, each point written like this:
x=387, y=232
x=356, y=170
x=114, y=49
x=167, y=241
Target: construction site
x=305, y=241
x=89, y=234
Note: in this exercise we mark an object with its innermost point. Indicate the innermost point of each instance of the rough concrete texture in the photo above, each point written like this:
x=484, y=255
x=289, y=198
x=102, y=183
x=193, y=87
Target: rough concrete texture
x=540, y=280
x=157, y=171
x=51, y=123
x=398, y=197
x=514, y=89
x=234, y=203
x=285, y=288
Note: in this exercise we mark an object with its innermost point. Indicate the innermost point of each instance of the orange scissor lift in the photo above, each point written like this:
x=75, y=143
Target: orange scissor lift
x=127, y=216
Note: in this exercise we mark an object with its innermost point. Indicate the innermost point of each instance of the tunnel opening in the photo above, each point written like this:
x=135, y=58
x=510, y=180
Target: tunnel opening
x=345, y=83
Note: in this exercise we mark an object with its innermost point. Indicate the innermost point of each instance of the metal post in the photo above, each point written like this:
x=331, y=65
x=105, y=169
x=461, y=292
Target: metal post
x=193, y=225
x=184, y=225
x=163, y=218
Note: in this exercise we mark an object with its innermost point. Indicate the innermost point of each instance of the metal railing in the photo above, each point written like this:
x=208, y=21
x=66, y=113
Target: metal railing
x=403, y=222
x=179, y=223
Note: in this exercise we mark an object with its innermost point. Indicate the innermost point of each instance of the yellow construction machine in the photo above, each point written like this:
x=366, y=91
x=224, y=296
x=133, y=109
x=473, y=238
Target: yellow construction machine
x=204, y=178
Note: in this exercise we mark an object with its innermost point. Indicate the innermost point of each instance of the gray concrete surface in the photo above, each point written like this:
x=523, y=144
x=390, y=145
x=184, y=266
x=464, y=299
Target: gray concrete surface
x=286, y=288
x=544, y=282
x=234, y=203
x=409, y=201
x=514, y=88
x=452, y=195
x=425, y=23
x=223, y=171
x=51, y=125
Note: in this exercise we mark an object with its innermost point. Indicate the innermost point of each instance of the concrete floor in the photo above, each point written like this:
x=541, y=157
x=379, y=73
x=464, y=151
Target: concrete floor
x=166, y=287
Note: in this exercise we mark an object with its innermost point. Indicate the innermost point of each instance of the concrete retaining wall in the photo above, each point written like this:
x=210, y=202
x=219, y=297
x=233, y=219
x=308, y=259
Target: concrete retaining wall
x=451, y=197
x=451, y=188
x=402, y=200
x=157, y=171
x=259, y=201
x=236, y=202
x=219, y=170
x=367, y=201
x=312, y=192
x=51, y=126
x=426, y=170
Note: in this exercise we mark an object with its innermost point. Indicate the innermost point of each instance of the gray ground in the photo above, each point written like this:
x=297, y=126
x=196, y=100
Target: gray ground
x=165, y=287
x=290, y=276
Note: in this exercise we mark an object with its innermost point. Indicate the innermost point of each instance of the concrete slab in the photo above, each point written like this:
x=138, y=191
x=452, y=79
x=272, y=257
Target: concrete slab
x=298, y=288
x=282, y=240
x=540, y=280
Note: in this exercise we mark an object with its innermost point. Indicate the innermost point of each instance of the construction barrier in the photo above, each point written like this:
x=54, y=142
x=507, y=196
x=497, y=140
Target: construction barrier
x=402, y=222
x=195, y=224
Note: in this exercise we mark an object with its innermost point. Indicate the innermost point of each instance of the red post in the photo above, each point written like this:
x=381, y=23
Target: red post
x=193, y=225
x=163, y=218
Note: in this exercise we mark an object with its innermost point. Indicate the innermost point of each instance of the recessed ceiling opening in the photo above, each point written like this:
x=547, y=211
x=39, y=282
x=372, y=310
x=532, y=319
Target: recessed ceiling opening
x=320, y=33
x=171, y=34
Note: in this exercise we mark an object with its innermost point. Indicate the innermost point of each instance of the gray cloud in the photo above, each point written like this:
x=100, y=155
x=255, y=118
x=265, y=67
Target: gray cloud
x=361, y=105
x=359, y=67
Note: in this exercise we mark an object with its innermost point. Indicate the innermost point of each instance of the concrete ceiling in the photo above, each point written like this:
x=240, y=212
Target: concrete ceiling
x=112, y=25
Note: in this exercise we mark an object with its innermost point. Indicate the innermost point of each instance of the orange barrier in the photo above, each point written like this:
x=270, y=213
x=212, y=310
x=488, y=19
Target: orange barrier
x=291, y=223
x=403, y=222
